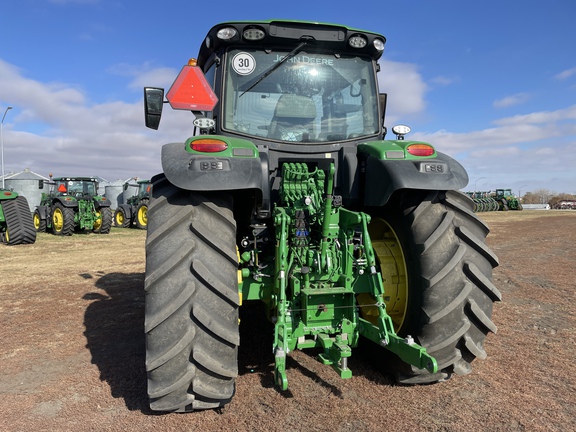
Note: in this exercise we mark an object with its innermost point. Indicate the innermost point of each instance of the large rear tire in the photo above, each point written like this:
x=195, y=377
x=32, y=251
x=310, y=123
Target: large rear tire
x=19, y=223
x=120, y=218
x=39, y=223
x=191, y=299
x=103, y=223
x=62, y=220
x=449, y=292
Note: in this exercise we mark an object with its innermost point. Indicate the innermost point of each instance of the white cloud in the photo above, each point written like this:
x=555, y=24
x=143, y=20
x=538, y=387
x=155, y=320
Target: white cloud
x=145, y=75
x=565, y=74
x=535, y=149
x=405, y=87
x=79, y=137
x=516, y=99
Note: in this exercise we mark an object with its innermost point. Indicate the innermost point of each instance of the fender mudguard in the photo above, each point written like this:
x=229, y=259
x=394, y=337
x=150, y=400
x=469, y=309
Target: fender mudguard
x=384, y=177
x=100, y=201
x=66, y=201
x=210, y=172
x=127, y=210
x=43, y=211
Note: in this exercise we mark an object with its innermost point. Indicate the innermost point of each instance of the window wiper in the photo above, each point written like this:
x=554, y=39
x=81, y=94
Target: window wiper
x=276, y=66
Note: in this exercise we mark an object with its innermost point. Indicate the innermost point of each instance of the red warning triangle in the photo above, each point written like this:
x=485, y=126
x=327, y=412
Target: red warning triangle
x=191, y=91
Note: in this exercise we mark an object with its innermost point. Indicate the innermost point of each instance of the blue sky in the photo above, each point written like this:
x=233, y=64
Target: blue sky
x=491, y=83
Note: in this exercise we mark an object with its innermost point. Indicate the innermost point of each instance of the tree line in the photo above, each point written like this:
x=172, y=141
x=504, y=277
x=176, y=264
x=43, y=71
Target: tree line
x=544, y=196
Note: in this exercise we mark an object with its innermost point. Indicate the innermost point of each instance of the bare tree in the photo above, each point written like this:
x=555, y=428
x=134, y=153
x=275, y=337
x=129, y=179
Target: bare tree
x=539, y=196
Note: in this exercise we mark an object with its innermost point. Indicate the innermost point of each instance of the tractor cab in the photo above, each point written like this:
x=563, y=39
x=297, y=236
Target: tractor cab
x=77, y=187
x=285, y=84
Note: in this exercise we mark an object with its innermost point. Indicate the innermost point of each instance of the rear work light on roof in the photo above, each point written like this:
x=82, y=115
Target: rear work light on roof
x=208, y=145
x=226, y=33
x=253, y=34
x=378, y=44
x=357, y=41
x=420, y=149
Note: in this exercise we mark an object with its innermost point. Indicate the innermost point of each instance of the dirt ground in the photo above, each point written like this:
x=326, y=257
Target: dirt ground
x=72, y=348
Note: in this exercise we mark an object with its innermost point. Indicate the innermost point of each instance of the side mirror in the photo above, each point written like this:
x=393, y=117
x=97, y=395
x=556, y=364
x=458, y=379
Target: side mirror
x=153, y=102
x=382, y=100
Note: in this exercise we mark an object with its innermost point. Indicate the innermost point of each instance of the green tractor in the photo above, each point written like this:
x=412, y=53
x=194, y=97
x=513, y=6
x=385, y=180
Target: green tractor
x=73, y=203
x=16, y=226
x=506, y=200
x=288, y=196
x=135, y=210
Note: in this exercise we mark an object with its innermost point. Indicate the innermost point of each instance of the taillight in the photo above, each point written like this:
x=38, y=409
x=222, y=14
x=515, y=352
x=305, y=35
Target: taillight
x=208, y=145
x=420, y=149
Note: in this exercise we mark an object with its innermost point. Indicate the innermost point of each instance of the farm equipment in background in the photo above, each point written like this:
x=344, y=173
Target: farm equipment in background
x=565, y=205
x=289, y=195
x=506, y=200
x=73, y=204
x=483, y=201
x=16, y=226
x=135, y=211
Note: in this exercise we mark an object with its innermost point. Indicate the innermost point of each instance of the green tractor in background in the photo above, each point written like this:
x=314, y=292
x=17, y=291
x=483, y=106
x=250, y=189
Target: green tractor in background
x=135, y=210
x=506, y=200
x=289, y=196
x=73, y=203
x=16, y=226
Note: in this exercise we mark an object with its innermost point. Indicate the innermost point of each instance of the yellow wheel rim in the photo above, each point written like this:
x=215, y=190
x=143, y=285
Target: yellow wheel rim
x=37, y=220
x=143, y=215
x=7, y=236
x=119, y=218
x=98, y=221
x=58, y=219
x=389, y=254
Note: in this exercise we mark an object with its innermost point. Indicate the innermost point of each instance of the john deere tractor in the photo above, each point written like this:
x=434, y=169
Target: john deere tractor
x=506, y=200
x=16, y=225
x=135, y=210
x=288, y=193
x=73, y=203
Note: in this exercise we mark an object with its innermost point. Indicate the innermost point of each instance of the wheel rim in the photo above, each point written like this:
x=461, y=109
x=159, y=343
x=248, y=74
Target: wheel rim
x=143, y=215
x=390, y=256
x=119, y=218
x=58, y=220
x=98, y=221
x=36, y=220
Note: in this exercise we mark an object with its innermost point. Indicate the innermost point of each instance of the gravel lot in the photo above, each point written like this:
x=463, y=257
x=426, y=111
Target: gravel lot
x=72, y=356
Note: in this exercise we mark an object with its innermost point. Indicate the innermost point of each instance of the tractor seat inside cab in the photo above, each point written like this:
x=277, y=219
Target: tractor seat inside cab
x=293, y=119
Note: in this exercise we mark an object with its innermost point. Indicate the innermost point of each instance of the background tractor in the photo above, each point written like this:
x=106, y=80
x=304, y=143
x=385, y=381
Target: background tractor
x=289, y=195
x=16, y=226
x=73, y=203
x=135, y=210
x=506, y=200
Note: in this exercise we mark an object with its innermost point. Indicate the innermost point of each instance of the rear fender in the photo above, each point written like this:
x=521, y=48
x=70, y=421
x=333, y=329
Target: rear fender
x=43, y=211
x=8, y=195
x=100, y=201
x=66, y=201
x=384, y=177
x=239, y=167
x=128, y=210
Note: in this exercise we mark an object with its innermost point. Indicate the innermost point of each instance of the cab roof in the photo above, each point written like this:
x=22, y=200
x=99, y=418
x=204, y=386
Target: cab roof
x=286, y=34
